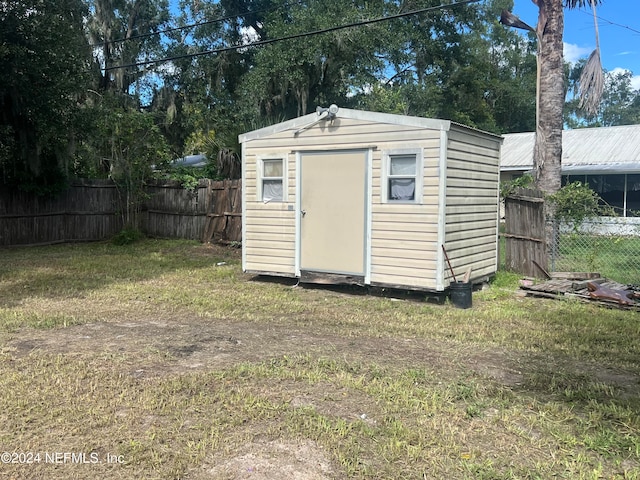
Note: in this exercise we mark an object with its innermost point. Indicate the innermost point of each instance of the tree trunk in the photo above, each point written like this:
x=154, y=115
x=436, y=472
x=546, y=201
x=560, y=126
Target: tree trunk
x=547, y=153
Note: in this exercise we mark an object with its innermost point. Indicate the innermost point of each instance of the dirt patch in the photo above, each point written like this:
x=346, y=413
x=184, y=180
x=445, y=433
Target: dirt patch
x=497, y=365
x=275, y=460
x=173, y=346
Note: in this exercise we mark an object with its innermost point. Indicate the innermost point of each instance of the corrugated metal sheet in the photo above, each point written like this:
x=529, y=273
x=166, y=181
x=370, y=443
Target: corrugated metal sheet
x=583, y=149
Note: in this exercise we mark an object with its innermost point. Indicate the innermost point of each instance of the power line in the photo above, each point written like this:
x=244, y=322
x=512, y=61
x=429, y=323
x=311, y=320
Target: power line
x=618, y=25
x=610, y=22
x=292, y=37
x=197, y=24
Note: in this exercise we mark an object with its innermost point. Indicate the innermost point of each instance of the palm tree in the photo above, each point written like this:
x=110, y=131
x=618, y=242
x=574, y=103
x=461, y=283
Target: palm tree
x=547, y=152
x=551, y=90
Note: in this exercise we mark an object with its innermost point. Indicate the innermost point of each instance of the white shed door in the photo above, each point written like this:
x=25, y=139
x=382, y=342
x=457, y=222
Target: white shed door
x=333, y=202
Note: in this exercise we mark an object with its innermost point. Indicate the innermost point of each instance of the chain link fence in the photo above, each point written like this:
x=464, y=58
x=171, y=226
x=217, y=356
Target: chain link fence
x=606, y=245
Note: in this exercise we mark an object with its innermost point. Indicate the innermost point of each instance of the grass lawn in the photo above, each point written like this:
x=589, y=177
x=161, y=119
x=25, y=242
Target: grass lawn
x=613, y=257
x=162, y=360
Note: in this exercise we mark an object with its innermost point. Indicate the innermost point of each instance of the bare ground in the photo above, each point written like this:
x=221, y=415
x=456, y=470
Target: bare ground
x=153, y=347
x=171, y=345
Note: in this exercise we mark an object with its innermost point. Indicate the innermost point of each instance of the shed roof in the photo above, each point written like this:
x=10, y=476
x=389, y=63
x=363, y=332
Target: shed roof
x=602, y=149
x=390, y=118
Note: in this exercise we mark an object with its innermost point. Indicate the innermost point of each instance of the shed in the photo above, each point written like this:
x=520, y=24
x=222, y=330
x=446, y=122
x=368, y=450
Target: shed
x=349, y=196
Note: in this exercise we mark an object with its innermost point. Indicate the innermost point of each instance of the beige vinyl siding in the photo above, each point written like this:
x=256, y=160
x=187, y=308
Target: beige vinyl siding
x=269, y=241
x=413, y=261
x=404, y=236
x=345, y=134
x=471, y=220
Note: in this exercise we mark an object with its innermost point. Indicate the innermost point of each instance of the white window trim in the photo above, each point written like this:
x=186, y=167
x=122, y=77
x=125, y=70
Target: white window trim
x=260, y=177
x=384, y=176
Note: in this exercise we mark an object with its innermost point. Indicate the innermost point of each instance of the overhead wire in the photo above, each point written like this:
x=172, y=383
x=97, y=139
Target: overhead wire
x=604, y=20
x=260, y=43
x=192, y=25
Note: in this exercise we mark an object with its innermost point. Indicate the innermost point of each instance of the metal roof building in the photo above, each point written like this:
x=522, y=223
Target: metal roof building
x=605, y=158
x=584, y=150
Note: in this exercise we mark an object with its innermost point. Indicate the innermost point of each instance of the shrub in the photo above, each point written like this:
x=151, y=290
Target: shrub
x=127, y=236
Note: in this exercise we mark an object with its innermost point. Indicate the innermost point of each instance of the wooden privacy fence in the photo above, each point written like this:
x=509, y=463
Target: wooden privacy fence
x=210, y=212
x=88, y=211
x=224, y=218
x=525, y=250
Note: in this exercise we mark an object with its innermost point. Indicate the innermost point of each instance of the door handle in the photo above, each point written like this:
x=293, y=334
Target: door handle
x=303, y=212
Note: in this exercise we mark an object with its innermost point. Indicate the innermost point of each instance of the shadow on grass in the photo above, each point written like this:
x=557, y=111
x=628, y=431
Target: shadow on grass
x=76, y=270
x=357, y=290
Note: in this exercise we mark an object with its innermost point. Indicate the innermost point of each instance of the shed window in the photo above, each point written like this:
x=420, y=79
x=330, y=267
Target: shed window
x=273, y=180
x=402, y=178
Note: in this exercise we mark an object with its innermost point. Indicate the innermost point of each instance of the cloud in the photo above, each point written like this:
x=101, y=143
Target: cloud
x=573, y=53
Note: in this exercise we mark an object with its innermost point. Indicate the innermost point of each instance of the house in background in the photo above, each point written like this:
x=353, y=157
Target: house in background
x=605, y=158
x=348, y=196
x=196, y=161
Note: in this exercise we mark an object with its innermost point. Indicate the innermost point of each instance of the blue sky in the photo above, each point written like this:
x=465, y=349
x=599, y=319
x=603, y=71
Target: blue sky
x=618, y=25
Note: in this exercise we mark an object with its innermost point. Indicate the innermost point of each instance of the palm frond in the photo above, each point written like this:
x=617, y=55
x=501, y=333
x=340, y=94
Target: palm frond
x=580, y=3
x=591, y=83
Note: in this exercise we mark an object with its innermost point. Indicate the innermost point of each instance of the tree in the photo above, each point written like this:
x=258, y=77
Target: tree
x=44, y=56
x=123, y=32
x=430, y=59
x=457, y=63
x=292, y=77
x=430, y=64
x=511, y=92
x=129, y=142
x=547, y=154
x=620, y=104
x=198, y=97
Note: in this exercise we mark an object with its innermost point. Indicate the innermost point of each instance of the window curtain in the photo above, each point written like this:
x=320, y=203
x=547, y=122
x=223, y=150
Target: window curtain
x=272, y=190
x=402, y=188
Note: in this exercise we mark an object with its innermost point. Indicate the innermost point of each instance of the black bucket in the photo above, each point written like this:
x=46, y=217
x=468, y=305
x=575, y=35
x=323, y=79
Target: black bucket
x=461, y=294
